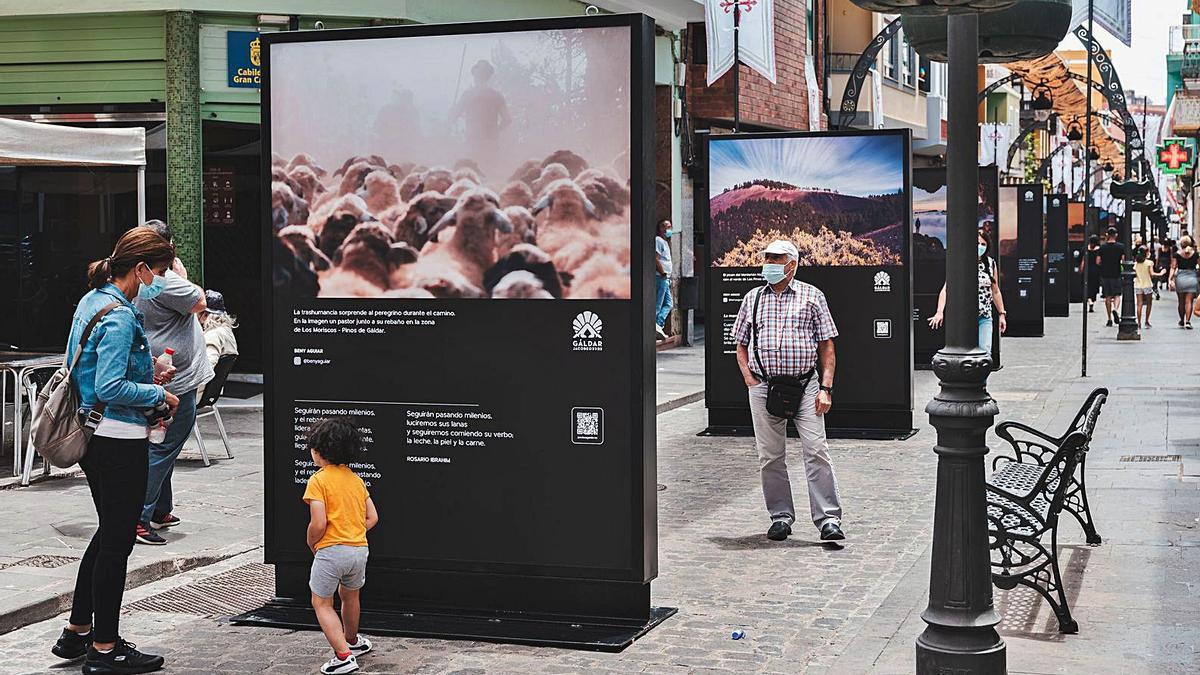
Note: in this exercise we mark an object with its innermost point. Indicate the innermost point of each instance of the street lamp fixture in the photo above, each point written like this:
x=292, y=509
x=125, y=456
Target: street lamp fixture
x=933, y=7
x=1108, y=166
x=1042, y=100
x=1026, y=30
x=1094, y=153
x=1075, y=130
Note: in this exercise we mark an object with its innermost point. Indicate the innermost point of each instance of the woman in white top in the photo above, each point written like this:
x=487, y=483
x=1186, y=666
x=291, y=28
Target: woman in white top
x=218, y=325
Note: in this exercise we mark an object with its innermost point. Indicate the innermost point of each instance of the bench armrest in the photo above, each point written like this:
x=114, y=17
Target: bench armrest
x=1002, y=430
x=1024, y=450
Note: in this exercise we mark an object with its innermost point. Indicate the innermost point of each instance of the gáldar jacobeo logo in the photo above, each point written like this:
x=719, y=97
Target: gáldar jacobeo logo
x=883, y=282
x=587, y=327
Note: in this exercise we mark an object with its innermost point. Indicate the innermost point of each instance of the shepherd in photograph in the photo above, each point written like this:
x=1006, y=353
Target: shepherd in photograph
x=484, y=113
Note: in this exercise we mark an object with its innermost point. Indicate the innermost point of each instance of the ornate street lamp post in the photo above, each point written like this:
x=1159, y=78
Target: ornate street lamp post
x=1127, y=329
x=961, y=636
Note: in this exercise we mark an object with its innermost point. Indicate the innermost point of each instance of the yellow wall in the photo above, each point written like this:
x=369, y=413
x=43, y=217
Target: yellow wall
x=850, y=27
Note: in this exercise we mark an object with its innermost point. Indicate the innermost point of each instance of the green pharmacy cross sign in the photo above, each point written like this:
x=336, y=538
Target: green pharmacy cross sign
x=1175, y=155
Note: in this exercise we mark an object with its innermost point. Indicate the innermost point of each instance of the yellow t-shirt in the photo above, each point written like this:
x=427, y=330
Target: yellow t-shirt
x=345, y=498
x=1142, y=270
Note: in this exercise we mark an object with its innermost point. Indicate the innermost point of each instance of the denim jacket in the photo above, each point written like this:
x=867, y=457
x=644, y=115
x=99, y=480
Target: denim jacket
x=116, y=366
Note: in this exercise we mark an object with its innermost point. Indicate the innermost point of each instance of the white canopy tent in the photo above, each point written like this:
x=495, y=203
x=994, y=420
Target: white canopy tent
x=31, y=143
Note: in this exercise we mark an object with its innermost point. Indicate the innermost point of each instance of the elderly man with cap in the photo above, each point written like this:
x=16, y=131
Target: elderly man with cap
x=784, y=332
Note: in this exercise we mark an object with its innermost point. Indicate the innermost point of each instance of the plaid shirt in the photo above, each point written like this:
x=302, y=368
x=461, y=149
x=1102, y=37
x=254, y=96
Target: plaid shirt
x=790, y=324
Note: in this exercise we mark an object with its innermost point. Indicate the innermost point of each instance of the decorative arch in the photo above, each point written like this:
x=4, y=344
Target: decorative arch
x=862, y=67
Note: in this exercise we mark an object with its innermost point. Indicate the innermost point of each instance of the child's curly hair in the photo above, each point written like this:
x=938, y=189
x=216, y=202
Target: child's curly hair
x=335, y=439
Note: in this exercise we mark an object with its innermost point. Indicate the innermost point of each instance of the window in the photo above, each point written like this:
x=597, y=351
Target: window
x=891, y=58
x=810, y=44
x=908, y=63
x=924, y=74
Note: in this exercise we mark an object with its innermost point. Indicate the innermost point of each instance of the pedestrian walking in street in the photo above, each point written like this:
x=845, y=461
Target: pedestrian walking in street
x=113, y=376
x=340, y=513
x=990, y=300
x=171, y=324
x=1143, y=284
x=1111, y=255
x=784, y=333
x=218, y=325
x=662, y=278
x=1163, y=253
x=1092, y=260
x=1183, y=279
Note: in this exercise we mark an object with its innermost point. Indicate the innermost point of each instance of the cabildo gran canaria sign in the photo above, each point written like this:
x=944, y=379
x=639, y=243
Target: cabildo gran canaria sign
x=244, y=59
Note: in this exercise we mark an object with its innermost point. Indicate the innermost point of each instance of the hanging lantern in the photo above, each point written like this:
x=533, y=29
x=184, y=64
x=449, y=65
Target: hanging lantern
x=1042, y=100
x=1075, y=131
x=932, y=7
x=1108, y=166
x=1093, y=153
x=1027, y=30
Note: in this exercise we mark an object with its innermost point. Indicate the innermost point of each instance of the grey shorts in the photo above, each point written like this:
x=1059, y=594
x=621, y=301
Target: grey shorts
x=1111, y=286
x=338, y=564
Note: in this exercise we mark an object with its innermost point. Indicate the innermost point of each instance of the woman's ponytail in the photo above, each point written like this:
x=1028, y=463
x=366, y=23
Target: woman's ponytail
x=137, y=245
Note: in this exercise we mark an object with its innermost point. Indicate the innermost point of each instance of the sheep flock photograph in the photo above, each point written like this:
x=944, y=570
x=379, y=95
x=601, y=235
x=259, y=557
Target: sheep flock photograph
x=491, y=165
x=841, y=200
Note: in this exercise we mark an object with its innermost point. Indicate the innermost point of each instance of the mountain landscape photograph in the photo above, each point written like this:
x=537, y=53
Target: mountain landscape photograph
x=841, y=200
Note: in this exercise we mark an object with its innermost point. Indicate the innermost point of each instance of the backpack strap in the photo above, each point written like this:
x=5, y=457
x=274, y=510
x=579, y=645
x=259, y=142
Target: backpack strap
x=762, y=375
x=98, y=409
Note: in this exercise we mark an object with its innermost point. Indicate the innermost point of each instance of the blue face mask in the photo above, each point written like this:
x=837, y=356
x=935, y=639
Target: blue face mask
x=774, y=272
x=156, y=286
x=667, y=234
x=982, y=249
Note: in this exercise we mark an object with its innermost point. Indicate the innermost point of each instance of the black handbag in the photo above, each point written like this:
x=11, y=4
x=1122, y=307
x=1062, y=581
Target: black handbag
x=785, y=393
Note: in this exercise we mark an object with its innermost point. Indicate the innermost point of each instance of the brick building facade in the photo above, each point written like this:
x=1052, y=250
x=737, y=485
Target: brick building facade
x=783, y=105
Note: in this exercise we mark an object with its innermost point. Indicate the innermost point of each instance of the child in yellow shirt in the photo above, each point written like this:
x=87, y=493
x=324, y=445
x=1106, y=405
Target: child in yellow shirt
x=340, y=513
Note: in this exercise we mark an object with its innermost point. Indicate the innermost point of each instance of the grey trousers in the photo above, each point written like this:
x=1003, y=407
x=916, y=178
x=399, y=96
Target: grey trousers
x=770, y=438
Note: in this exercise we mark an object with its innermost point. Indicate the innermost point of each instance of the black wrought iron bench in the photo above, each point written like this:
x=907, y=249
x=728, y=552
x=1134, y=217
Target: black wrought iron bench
x=1024, y=501
x=1028, y=454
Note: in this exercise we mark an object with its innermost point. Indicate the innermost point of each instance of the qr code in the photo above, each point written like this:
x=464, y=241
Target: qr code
x=587, y=426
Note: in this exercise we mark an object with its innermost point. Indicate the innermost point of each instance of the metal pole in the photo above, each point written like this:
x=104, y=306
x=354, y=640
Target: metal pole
x=141, y=194
x=961, y=635
x=1087, y=198
x=737, y=55
x=1127, y=329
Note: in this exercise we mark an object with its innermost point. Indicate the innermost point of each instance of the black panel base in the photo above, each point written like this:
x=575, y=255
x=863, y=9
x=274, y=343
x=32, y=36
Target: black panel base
x=1058, y=310
x=587, y=634
x=886, y=425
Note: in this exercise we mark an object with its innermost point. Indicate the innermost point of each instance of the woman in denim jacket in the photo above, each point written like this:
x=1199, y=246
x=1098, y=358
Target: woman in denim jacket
x=115, y=367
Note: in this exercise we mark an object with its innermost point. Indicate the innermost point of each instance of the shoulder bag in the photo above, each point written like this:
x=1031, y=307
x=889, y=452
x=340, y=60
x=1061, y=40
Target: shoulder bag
x=58, y=432
x=784, y=392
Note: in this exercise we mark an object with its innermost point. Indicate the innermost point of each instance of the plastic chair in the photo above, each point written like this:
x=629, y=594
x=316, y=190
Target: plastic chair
x=208, y=405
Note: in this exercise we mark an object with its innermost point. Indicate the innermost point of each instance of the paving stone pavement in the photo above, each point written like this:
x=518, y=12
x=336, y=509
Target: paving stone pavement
x=807, y=607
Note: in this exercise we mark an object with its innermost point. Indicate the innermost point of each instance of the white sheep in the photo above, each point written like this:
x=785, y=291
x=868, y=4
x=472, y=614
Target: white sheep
x=521, y=284
x=461, y=261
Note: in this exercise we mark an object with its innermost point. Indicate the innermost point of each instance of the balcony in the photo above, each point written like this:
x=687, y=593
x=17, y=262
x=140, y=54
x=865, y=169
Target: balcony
x=1185, y=113
x=1181, y=37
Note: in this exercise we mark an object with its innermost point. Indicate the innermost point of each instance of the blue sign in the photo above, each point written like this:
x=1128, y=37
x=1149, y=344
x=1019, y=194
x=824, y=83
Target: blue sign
x=244, y=59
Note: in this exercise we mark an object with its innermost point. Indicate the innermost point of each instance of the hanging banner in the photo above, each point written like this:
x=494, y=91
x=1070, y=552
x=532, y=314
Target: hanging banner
x=1021, y=251
x=1077, y=243
x=1113, y=16
x=843, y=198
x=426, y=283
x=1058, y=258
x=756, y=36
x=929, y=255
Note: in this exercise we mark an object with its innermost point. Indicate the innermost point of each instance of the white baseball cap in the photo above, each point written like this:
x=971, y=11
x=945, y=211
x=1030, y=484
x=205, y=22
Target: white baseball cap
x=783, y=246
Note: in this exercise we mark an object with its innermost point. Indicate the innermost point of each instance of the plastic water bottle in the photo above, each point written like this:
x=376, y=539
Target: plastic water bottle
x=163, y=363
x=158, y=432
x=738, y=634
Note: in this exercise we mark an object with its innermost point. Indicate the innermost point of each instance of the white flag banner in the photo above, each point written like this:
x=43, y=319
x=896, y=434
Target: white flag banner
x=814, y=97
x=1111, y=15
x=757, y=36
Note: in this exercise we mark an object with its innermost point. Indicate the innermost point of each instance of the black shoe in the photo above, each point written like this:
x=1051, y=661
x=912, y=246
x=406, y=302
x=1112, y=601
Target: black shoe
x=1188, y=325
x=72, y=645
x=124, y=658
x=1116, y=317
x=1108, y=325
x=145, y=535
x=779, y=531
x=832, y=532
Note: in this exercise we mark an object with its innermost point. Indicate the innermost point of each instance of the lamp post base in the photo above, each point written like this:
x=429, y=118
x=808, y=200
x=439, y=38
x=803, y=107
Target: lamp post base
x=1127, y=329
x=979, y=652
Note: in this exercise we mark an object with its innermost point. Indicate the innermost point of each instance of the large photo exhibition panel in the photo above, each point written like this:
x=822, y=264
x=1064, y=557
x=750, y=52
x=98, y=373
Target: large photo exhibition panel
x=843, y=199
x=458, y=266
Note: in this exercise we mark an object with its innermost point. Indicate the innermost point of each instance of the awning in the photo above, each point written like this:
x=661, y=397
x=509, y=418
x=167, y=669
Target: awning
x=51, y=144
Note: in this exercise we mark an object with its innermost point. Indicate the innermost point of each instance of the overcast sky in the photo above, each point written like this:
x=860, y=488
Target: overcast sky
x=1142, y=67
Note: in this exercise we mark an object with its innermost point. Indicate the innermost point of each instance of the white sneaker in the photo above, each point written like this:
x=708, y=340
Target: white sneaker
x=362, y=646
x=336, y=666
x=662, y=335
